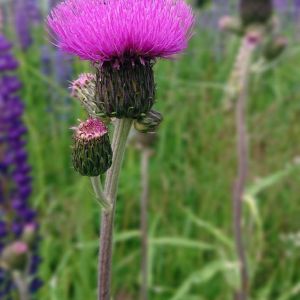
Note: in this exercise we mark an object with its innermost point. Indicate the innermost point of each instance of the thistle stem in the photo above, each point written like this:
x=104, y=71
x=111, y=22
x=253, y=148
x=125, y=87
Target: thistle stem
x=245, y=56
x=21, y=285
x=146, y=153
x=111, y=184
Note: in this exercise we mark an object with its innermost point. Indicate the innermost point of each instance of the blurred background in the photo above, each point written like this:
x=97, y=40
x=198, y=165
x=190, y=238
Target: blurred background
x=191, y=253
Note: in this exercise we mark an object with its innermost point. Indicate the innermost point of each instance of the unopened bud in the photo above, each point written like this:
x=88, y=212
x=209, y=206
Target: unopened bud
x=84, y=89
x=91, y=153
x=149, y=123
x=29, y=234
x=14, y=256
x=231, y=25
x=254, y=36
x=275, y=47
x=255, y=11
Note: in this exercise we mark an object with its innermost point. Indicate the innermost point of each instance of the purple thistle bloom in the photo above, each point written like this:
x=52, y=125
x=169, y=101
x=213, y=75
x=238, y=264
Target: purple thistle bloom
x=15, y=180
x=100, y=31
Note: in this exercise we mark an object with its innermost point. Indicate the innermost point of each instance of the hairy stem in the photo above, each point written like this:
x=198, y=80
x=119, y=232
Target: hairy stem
x=245, y=56
x=111, y=184
x=21, y=285
x=146, y=153
x=237, y=76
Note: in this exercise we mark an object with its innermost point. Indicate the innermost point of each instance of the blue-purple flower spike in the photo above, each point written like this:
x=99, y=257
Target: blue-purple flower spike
x=26, y=13
x=18, y=222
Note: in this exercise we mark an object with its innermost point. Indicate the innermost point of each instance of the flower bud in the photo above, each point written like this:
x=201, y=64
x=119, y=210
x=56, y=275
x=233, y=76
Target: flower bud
x=84, y=89
x=149, y=123
x=255, y=11
x=254, y=36
x=126, y=90
x=91, y=153
x=29, y=234
x=275, y=47
x=14, y=256
x=231, y=25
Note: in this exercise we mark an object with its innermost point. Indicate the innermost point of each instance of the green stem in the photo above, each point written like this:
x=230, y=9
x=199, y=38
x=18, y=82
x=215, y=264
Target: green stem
x=98, y=190
x=242, y=82
x=111, y=185
x=146, y=153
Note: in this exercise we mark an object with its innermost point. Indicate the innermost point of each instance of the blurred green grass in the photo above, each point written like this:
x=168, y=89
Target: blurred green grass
x=192, y=173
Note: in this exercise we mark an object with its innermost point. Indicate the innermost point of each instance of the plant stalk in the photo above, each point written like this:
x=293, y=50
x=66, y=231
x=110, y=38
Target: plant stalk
x=146, y=153
x=21, y=285
x=121, y=132
x=98, y=190
x=245, y=57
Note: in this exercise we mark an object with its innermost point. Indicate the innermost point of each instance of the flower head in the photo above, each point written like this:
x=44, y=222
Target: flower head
x=149, y=123
x=90, y=129
x=106, y=30
x=84, y=90
x=92, y=153
x=255, y=11
x=19, y=247
x=82, y=84
x=14, y=255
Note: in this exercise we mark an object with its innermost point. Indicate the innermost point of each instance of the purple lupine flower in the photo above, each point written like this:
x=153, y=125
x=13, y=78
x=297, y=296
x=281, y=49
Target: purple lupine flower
x=281, y=5
x=46, y=60
x=62, y=68
x=22, y=24
x=17, y=218
x=26, y=13
x=58, y=65
x=33, y=10
x=102, y=31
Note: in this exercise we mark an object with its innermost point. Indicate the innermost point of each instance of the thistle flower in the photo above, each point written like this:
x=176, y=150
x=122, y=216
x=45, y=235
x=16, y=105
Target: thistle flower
x=123, y=38
x=92, y=153
x=118, y=29
x=15, y=180
x=275, y=47
x=231, y=25
x=255, y=11
x=84, y=90
x=14, y=256
x=84, y=86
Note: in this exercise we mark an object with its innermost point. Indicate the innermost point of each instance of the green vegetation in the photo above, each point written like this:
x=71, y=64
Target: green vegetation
x=192, y=173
